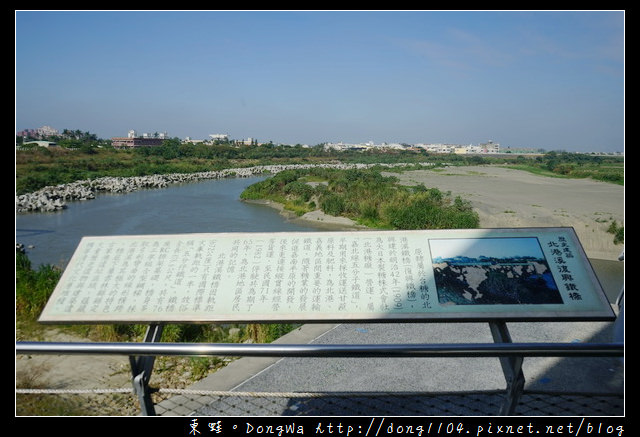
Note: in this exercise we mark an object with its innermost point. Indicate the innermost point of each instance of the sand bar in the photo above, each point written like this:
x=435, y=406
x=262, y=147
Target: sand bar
x=506, y=198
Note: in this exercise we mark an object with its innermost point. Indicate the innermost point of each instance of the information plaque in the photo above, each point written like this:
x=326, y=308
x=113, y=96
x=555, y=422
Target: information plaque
x=521, y=274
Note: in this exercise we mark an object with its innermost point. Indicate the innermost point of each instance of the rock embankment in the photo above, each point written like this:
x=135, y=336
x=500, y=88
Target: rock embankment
x=54, y=198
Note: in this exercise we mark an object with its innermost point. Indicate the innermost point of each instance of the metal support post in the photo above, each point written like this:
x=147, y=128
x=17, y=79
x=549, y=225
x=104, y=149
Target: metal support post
x=141, y=368
x=511, y=367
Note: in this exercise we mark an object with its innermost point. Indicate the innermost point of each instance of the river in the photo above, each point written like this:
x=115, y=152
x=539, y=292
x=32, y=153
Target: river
x=199, y=207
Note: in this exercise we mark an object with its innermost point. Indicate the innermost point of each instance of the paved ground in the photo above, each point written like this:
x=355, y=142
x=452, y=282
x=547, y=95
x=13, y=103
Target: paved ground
x=481, y=377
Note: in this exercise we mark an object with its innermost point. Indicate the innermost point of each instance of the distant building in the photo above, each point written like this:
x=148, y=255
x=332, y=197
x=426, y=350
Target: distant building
x=126, y=142
x=192, y=141
x=219, y=137
x=489, y=147
x=41, y=144
x=162, y=135
x=41, y=132
x=247, y=142
x=133, y=140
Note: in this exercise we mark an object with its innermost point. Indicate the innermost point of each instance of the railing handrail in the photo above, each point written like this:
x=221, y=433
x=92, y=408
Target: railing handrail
x=326, y=350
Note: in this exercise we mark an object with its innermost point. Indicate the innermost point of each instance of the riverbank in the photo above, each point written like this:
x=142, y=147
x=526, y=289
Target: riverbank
x=314, y=218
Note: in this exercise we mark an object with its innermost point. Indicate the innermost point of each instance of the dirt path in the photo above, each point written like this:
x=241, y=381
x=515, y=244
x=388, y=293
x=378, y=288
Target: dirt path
x=88, y=372
x=78, y=372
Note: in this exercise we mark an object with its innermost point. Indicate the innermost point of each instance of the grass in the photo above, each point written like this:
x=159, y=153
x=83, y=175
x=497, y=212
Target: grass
x=612, y=172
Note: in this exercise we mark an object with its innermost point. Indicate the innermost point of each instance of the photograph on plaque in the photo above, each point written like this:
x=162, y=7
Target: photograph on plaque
x=492, y=271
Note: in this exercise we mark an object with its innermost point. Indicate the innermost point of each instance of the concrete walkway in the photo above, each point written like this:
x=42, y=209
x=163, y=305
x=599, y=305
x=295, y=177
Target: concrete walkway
x=589, y=376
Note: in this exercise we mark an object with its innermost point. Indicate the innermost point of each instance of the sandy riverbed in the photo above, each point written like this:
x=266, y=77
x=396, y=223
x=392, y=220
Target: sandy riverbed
x=506, y=198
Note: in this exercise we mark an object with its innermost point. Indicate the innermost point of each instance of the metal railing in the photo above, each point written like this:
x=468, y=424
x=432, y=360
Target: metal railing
x=142, y=355
x=310, y=350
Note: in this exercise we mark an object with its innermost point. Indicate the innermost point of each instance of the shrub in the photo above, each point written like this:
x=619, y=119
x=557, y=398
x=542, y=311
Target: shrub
x=428, y=211
x=332, y=204
x=368, y=210
x=299, y=189
x=617, y=231
x=266, y=333
x=33, y=287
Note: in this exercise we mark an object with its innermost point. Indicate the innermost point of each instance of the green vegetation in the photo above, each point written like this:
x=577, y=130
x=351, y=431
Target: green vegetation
x=33, y=287
x=573, y=165
x=44, y=404
x=38, y=167
x=617, y=231
x=365, y=196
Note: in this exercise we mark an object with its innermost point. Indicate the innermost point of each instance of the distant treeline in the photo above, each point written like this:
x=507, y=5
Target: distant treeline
x=87, y=158
x=366, y=196
x=574, y=165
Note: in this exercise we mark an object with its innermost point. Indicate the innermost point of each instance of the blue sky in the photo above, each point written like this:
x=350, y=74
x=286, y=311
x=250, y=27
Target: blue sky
x=552, y=80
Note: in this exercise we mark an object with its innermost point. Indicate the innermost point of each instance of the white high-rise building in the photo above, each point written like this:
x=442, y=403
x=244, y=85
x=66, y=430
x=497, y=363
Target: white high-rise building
x=221, y=137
